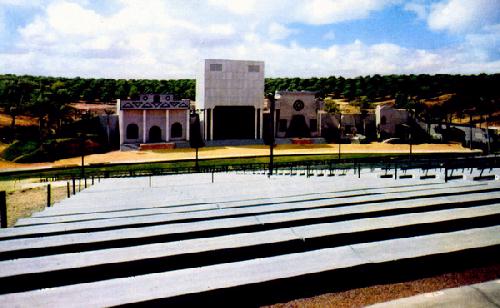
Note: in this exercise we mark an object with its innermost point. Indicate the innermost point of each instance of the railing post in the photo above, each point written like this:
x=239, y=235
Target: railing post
x=67, y=189
x=74, y=186
x=85, y=181
x=48, y=195
x=445, y=173
x=3, y=209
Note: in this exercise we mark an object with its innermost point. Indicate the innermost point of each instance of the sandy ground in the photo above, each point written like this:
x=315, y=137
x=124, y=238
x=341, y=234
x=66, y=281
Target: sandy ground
x=28, y=196
x=383, y=293
x=241, y=151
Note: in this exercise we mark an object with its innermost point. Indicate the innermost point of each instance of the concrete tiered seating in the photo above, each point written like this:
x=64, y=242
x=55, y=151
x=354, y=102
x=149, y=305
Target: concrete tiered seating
x=183, y=239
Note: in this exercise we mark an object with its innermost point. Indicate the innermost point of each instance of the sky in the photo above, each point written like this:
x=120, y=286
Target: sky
x=296, y=38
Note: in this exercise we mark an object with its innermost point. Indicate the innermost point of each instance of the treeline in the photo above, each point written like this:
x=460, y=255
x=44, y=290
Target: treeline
x=389, y=86
x=373, y=87
x=48, y=95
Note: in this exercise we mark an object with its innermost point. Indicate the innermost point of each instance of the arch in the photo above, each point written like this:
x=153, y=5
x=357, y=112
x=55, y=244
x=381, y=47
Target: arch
x=298, y=127
x=176, y=130
x=155, y=134
x=132, y=131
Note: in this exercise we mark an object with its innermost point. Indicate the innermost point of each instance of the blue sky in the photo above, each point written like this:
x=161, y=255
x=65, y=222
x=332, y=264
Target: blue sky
x=304, y=38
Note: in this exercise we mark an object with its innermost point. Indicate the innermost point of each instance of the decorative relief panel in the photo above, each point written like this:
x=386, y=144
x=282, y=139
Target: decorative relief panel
x=150, y=102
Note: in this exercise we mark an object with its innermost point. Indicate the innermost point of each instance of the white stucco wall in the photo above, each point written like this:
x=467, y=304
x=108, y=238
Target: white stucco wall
x=285, y=101
x=393, y=117
x=234, y=85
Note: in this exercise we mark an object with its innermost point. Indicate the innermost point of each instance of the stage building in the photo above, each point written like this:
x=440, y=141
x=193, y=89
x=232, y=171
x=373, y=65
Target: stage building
x=230, y=98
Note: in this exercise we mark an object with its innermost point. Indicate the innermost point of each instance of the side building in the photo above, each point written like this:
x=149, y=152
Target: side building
x=230, y=98
x=153, y=118
x=298, y=114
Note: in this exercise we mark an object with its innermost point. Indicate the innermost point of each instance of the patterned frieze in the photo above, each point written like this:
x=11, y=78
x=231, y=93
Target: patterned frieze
x=155, y=101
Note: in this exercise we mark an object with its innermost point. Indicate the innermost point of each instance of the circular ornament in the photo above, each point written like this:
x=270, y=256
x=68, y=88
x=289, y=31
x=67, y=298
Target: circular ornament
x=298, y=105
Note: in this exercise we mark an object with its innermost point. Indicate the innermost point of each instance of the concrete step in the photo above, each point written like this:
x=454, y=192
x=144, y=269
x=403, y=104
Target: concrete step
x=68, y=214
x=289, y=210
x=62, y=269
x=40, y=244
x=275, y=274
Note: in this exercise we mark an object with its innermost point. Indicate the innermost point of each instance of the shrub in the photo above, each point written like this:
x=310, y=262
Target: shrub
x=19, y=148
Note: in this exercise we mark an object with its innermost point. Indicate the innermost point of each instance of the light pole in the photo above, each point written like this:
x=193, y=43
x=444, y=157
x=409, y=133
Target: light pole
x=82, y=148
x=408, y=128
x=272, y=102
x=469, y=111
x=340, y=133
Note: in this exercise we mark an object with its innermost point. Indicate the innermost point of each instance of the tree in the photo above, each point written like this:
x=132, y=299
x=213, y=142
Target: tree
x=134, y=92
x=14, y=94
x=330, y=106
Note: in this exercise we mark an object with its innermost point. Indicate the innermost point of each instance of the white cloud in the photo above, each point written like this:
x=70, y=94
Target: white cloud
x=306, y=11
x=277, y=31
x=420, y=9
x=333, y=11
x=241, y=7
x=167, y=39
x=463, y=15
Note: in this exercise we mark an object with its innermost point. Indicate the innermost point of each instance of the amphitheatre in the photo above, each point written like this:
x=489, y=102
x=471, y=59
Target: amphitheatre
x=261, y=210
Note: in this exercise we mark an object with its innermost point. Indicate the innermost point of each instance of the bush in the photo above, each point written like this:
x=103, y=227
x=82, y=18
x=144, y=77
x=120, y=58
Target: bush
x=19, y=148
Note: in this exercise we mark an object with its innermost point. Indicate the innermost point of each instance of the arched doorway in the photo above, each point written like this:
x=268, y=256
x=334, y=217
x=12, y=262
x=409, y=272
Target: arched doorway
x=155, y=134
x=298, y=127
x=132, y=131
x=176, y=130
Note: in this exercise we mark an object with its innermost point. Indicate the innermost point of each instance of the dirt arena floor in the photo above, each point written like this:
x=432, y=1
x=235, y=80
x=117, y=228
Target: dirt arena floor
x=241, y=151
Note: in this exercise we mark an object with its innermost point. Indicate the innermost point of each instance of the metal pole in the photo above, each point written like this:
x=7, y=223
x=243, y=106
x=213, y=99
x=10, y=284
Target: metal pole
x=67, y=189
x=410, y=146
x=74, y=188
x=272, y=101
x=3, y=209
x=92, y=180
x=212, y=176
x=488, y=134
x=340, y=133
x=82, y=143
x=445, y=173
x=48, y=195
x=470, y=124
x=85, y=180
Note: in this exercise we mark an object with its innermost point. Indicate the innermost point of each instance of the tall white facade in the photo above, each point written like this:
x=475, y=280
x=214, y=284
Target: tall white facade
x=225, y=84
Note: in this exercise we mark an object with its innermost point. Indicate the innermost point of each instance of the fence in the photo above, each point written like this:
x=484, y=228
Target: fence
x=93, y=173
